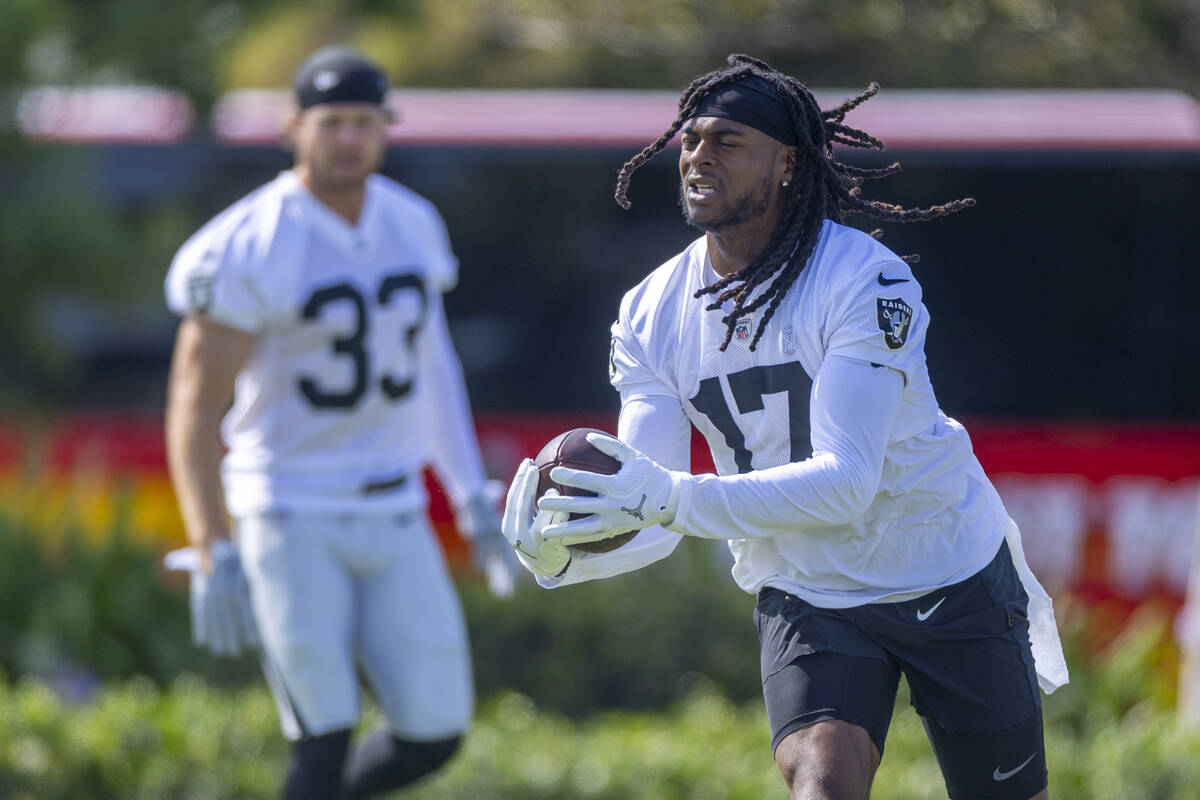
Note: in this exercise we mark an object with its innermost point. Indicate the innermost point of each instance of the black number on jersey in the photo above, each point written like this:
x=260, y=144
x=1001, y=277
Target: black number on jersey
x=354, y=345
x=393, y=388
x=748, y=388
x=351, y=346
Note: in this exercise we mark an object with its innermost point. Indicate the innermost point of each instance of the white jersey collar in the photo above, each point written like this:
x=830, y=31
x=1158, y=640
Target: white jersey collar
x=360, y=239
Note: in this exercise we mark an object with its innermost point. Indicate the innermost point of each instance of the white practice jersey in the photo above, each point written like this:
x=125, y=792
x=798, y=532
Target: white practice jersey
x=935, y=518
x=353, y=385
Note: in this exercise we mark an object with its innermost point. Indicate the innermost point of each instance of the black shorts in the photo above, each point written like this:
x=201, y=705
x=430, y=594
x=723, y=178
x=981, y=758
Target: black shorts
x=964, y=651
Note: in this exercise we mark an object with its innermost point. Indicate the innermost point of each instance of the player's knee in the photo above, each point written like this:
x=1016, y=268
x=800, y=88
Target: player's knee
x=828, y=759
x=315, y=771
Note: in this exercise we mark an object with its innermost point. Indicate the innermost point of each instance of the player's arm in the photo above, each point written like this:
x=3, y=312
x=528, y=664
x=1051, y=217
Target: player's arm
x=206, y=360
x=454, y=448
x=455, y=453
x=851, y=413
x=446, y=410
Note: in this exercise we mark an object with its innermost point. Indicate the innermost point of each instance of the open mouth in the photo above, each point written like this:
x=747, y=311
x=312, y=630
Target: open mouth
x=700, y=190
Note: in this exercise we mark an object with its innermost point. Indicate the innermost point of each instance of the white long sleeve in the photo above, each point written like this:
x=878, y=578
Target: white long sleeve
x=851, y=412
x=454, y=448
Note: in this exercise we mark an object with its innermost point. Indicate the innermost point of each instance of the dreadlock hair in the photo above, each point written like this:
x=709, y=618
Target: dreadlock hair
x=822, y=188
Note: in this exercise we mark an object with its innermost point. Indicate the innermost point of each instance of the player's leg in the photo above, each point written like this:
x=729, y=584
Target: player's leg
x=315, y=767
x=970, y=670
x=303, y=605
x=829, y=694
x=413, y=649
x=1008, y=764
x=831, y=760
x=384, y=762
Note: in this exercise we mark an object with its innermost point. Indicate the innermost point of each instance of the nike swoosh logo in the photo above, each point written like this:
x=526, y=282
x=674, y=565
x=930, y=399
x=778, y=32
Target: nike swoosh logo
x=924, y=615
x=889, y=281
x=1003, y=776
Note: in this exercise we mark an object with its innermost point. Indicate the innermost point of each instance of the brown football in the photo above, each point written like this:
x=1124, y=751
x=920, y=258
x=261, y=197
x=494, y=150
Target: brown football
x=571, y=449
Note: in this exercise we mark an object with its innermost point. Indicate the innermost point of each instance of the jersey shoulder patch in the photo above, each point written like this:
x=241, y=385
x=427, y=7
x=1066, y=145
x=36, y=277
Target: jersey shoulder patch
x=220, y=270
x=894, y=317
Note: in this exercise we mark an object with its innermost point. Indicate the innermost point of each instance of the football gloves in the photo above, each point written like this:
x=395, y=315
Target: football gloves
x=479, y=521
x=222, y=619
x=642, y=493
x=523, y=529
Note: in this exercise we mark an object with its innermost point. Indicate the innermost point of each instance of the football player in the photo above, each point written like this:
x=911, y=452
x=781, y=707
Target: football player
x=314, y=340
x=855, y=509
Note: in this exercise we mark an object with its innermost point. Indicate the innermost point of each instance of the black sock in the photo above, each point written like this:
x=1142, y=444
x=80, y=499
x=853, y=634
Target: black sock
x=384, y=762
x=315, y=771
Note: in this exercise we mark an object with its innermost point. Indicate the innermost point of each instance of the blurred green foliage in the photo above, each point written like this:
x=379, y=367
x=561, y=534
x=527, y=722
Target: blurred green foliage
x=642, y=686
x=135, y=741
x=635, y=641
x=189, y=740
x=65, y=255
x=78, y=612
x=204, y=47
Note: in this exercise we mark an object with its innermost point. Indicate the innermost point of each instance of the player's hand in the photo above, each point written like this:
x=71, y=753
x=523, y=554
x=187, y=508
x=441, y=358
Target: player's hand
x=523, y=528
x=222, y=620
x=479, y=521
x=642, y=493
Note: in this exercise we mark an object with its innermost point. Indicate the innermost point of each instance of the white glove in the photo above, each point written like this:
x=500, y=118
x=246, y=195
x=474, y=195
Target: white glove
x=479, y=521
x=639, y=495
x=222, y=619
x=523, y=530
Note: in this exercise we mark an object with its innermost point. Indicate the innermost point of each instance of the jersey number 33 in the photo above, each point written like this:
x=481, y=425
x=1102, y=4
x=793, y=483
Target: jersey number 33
x=353, y=347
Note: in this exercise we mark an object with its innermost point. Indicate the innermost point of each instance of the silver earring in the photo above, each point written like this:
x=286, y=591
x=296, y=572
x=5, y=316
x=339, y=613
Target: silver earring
x=784, y=183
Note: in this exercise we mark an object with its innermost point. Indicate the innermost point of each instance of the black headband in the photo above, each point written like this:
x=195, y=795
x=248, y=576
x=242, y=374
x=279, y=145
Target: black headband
x=339, y=74
x=751, y=101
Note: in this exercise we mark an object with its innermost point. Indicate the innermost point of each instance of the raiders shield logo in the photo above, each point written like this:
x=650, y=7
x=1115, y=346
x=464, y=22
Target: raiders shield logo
x=894, y=315
x=741, y=331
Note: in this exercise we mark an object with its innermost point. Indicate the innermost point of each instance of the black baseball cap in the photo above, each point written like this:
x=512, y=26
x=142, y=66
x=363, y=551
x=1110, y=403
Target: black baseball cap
x=339, y=74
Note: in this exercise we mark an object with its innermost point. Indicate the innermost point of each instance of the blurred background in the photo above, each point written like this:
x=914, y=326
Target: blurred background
x=1065, y=308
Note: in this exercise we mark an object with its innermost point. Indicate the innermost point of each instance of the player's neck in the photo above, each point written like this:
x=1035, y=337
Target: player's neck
x=730, y=251
x=346, y=201
x=733, y=248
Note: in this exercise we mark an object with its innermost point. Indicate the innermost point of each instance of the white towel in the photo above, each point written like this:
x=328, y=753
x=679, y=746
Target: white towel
x=1043, y=630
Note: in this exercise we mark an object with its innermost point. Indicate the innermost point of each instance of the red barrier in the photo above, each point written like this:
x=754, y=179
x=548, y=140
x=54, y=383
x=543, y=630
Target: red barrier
x=1107, y=511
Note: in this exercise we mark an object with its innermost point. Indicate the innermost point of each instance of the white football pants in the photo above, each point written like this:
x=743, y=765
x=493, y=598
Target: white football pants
x=332, y=591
